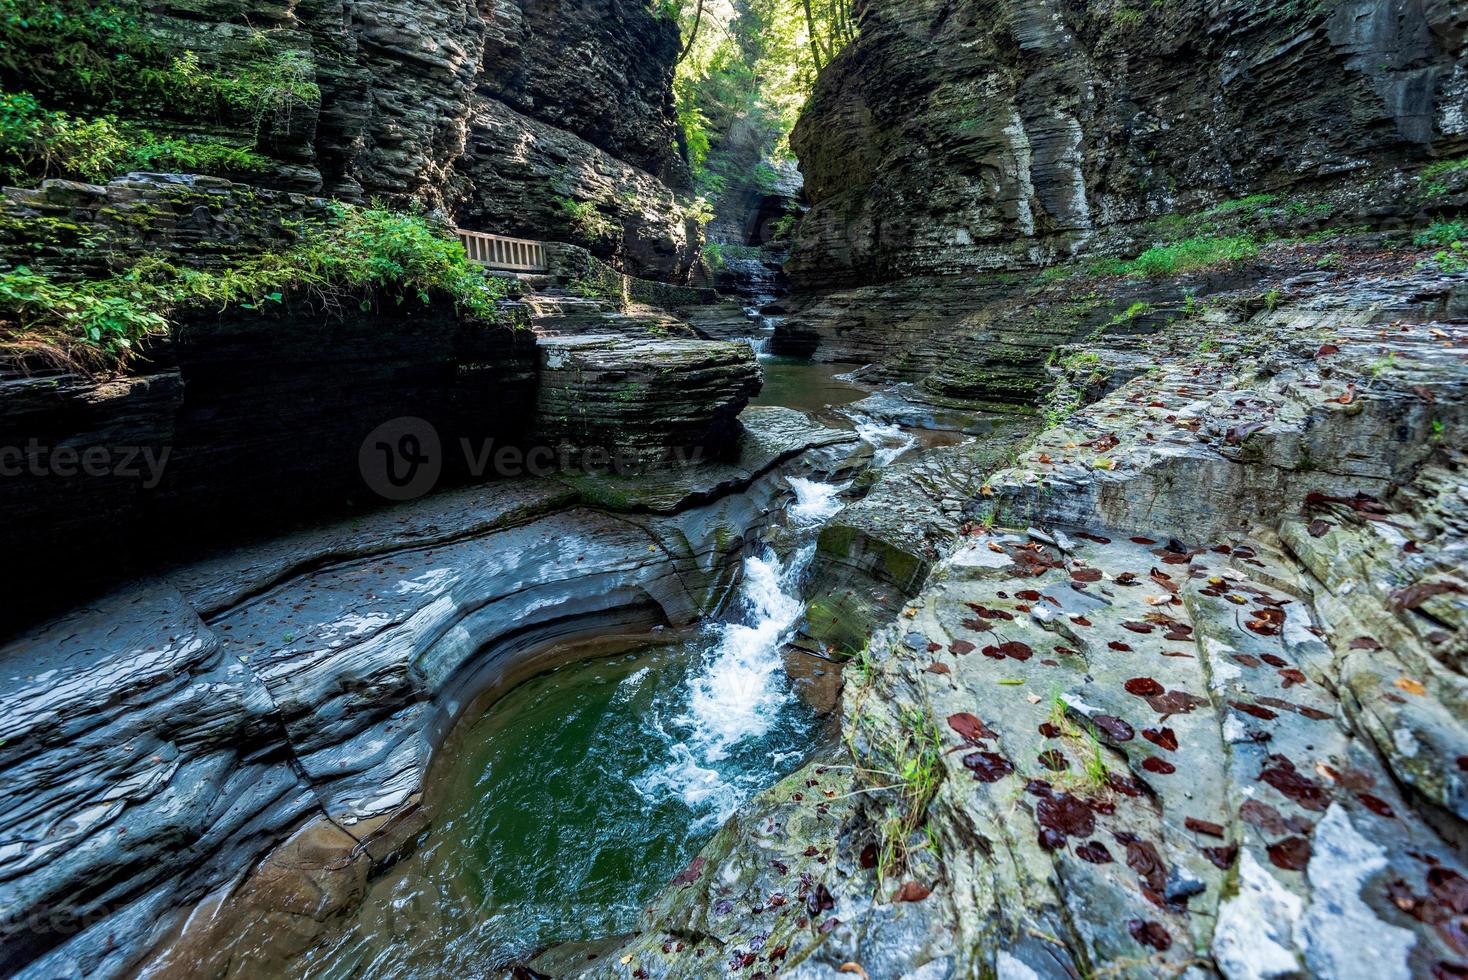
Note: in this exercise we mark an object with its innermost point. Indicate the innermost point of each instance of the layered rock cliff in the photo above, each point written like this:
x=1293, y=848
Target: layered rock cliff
x=956, y=137
x=953, y=150
x=509, y=114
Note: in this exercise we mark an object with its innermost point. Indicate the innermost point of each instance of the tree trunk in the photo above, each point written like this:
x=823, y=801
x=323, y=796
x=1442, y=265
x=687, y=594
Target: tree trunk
x=693, y=34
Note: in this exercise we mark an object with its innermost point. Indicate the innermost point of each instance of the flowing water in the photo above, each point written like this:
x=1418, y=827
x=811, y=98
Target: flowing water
x=575, y=798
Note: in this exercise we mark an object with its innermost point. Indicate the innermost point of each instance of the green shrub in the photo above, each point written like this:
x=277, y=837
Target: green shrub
x=1253, y=202
x=39, y=143
x=1452, y=260
x=1430, y=180
x=1443, y=233
x=1184, y=256
x=106, y=74
x=583, y=218
x=97, y=324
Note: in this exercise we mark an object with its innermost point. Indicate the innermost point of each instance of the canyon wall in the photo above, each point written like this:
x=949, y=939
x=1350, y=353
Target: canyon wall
x=508, y=114
x=958, y=137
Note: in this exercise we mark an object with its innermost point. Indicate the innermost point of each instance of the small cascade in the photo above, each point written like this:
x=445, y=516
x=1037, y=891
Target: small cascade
x=887, y=440
x=583, y=790
x=740, y=694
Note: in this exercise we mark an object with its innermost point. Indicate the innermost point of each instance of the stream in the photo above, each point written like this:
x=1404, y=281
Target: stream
x=565, y=807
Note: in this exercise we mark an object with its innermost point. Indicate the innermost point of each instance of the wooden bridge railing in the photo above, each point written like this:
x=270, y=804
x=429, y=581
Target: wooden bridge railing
x=506, y=254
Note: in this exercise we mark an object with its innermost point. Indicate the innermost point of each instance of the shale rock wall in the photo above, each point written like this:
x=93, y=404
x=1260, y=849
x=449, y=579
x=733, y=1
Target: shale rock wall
x=432, y=101
x=166, y=736
x=952, y=137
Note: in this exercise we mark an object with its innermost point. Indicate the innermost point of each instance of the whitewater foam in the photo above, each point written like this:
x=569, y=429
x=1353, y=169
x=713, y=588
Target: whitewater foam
x=888, y=441
x=815, y=502
x=740, y=692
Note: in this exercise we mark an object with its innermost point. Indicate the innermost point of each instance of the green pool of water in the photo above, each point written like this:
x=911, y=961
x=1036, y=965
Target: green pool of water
x=563, y=810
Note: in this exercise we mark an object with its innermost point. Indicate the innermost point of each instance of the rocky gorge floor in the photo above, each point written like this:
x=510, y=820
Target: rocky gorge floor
x=1184, y=695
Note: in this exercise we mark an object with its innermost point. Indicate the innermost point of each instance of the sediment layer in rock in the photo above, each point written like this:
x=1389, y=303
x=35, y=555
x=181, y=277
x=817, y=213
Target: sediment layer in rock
x=642, y=397
x=166, y=736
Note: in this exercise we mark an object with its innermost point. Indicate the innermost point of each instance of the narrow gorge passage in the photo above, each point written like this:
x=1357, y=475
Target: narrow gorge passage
x=673, y=489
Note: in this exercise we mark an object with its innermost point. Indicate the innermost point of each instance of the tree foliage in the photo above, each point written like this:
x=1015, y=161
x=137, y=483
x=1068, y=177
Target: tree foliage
x=755, y=60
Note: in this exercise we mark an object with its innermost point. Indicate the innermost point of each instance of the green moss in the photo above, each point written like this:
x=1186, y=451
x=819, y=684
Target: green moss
x=88, y=87
x=1431, y=181
x=98, y=323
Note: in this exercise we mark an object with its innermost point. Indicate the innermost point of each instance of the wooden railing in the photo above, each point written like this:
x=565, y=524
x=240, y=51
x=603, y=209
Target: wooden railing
x=506, y=254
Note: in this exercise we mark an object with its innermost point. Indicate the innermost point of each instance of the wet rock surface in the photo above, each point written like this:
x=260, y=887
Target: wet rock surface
x=1198, y=710
x=166, y=736
x=644, y=397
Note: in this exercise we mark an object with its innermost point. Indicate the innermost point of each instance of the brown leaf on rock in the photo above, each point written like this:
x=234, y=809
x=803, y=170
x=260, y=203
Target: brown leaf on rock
x=1204, y=827
x=1095, y=852
x=937, y=668
x=988, y=767
x=820, y=900
x=1162, y=737
x=1262, y=815
x=690, y=874
x=1143, y=687
x=911, y=891
x=1016, y=650
x=1114, y=728
x=1292, y=853
x=1163, y=579
x=1222, y=857
x=1175, y=703
x=1150, y=933
x=1239, y=433
x=970, y=727
x=1253, y=709
x=1411, y=686
x=1319, y=528
x=961, y=647
x=1450, y=889
x=1283, y=776
x=1125, y=785
x=1376, y=805
x=1066, y=814
x=1054, y=760
x=1142, y=857
x=1413, y=596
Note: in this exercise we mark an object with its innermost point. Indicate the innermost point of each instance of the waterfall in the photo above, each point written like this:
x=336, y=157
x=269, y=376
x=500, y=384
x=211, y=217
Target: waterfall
x=739, y=693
